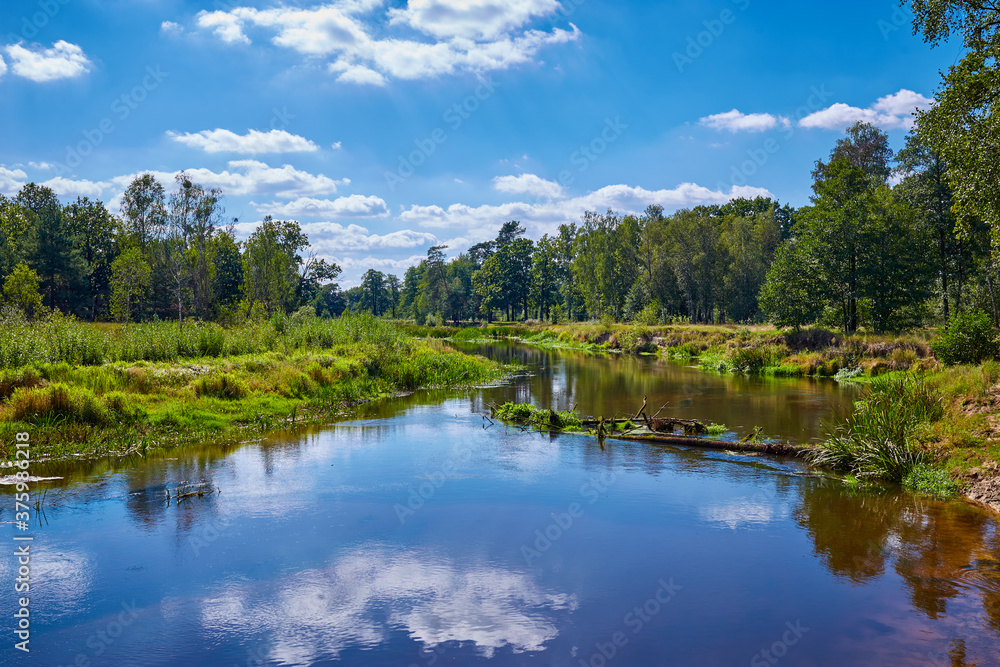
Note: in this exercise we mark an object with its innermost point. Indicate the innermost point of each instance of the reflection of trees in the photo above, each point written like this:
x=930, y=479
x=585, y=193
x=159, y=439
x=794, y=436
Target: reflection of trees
x=849, y=530
x=609, y=385
x=941, y=550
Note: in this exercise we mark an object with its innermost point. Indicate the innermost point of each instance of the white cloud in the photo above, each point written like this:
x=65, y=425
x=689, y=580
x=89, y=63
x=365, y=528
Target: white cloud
x=225, y=26
x=336, y=146
x=250, y=177
x=476, y=35
x=528, y=184
x=3, y=67
x=40, y=165
x=358, y=265
x=358, y=74
x=353, y=206
x=171, y=28
x=331, y=238
x=11, y=180
x=889, y=112
x=470, y=19
x=62, y=61
x=544, y=217
x=736, y=121
x=67, y=187
x=252, y=143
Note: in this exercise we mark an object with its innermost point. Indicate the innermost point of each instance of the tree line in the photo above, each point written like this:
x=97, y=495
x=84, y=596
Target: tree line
x=880, y=247
x=166, y=256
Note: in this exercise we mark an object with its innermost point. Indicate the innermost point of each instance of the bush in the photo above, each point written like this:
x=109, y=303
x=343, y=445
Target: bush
x=968, y=339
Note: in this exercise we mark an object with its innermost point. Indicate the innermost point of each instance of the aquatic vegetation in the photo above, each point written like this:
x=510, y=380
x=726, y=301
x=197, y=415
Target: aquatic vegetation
x=876, y=441
x=716, y=429
x=527, y=414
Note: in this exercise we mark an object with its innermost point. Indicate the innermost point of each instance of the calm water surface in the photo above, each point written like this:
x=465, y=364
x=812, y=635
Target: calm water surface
x=421, y=535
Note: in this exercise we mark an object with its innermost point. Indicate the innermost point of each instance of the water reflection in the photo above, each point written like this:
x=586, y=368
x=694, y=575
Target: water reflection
x=789, y=409
x=303, y=557
x=366, y=593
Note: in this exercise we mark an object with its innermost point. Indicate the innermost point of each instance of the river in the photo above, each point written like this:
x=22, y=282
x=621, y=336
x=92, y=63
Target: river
x=421, y=534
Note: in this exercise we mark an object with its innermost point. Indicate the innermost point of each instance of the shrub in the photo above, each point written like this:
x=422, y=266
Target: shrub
x=968, y=339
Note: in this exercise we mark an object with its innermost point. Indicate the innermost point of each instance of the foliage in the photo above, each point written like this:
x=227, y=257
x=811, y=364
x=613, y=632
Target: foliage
x=930, y=480
x=969, y=338
x=130, y=278
x=20, y=289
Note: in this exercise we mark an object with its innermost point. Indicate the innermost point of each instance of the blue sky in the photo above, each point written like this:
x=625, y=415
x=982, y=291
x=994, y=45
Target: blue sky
x=387, y=126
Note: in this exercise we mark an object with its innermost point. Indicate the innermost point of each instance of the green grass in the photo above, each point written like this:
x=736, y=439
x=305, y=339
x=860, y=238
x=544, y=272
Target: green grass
x=527, y=414
x=930, y=480
x=202, y=382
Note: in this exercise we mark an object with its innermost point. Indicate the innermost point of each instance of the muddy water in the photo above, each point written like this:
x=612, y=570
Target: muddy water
x=418, y=534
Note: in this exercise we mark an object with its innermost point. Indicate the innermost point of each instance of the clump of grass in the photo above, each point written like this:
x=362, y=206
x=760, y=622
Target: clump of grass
x=527, y=414
x=124, y=408
x=13, y=379
x=57, y=402
x=930, y=480
x=876, y=440
x=716, y=429
x=225, y=386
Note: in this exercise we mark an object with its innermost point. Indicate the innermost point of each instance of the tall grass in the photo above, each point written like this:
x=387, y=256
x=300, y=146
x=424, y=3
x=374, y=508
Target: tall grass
x=876, y=440
x=63, y=339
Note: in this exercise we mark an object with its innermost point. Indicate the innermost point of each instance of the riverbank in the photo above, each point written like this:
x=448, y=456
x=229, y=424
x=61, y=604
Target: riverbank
x=757, y=350
x=957, y=447
x=85, y=390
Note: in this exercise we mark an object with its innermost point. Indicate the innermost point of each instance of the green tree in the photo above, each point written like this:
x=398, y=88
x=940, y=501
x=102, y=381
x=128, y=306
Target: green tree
x=373, y=286
x=95, y=230
x=20, y=289
x=270, y=265
x=144, y=210
x=130, y=276
x=57, y=256
x=788, y=297
x=228, y=274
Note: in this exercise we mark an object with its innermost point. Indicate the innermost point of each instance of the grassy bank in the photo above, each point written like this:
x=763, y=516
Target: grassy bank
x=721, y=348
x=93, y=390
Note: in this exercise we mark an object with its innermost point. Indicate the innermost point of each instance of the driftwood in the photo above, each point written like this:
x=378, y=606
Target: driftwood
x=778, y=448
